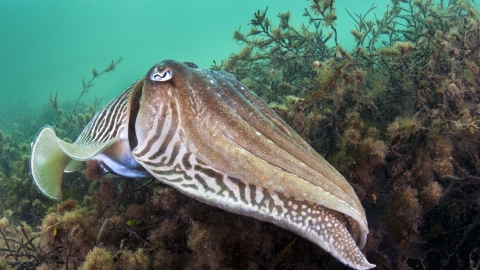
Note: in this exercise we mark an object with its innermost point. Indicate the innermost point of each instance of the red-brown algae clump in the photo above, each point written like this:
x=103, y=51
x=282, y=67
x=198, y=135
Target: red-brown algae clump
x=138, y=260
x=98, y=259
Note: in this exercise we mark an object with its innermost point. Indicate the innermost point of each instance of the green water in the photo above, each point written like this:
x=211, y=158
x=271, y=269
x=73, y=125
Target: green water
x=48, y=46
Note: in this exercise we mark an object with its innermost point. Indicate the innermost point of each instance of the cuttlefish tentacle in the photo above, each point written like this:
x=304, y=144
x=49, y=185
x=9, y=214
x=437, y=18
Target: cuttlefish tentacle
x=200, y=135
x=285, y=133
x=181, y=169
x=105, y=139
x=256, y=117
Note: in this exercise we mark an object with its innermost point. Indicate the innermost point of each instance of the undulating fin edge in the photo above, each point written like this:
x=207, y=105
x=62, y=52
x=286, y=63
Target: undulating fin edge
x=51, y=157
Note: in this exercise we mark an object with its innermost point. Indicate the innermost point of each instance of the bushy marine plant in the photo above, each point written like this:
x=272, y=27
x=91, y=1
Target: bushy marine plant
x=397, y=115
x=21, y=202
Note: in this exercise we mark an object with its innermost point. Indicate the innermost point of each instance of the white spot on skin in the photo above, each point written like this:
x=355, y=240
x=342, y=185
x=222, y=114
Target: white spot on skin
x=258, y=133
x=258, y=195
x=40, y=160
x=266, y=204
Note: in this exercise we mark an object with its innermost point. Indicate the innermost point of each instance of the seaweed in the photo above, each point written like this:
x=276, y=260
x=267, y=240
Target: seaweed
x=397, y=116
x=87, y=84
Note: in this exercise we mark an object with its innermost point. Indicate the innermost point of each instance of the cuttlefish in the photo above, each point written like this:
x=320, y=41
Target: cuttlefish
x=206, y=134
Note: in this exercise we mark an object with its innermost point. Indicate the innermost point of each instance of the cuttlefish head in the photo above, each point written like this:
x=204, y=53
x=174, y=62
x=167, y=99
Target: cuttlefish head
x=158, y=99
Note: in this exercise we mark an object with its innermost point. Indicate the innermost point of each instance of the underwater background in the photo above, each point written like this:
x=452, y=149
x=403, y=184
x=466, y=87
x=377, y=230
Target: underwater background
x=387, y=91
x=49, y=46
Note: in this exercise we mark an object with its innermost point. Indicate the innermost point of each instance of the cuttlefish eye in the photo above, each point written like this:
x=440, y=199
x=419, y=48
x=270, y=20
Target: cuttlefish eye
x=160, y=76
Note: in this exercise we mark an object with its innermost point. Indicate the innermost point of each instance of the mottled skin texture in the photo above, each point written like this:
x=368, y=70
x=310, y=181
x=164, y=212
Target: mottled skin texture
x=232, y=151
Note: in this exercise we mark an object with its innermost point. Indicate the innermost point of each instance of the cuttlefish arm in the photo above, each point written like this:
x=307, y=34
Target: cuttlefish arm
x=105, y=139
x=270, y=128
x=201, y=133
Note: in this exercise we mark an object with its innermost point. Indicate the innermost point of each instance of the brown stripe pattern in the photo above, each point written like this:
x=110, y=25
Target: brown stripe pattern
x=165, y=155
x=106, y=124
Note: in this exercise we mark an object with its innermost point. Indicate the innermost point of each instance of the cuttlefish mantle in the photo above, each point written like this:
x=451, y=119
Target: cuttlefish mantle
x=207, y=135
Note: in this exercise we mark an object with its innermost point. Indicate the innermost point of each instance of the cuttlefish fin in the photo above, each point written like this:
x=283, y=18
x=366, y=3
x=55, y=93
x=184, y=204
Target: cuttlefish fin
x=51, y=157
x=73, y=166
